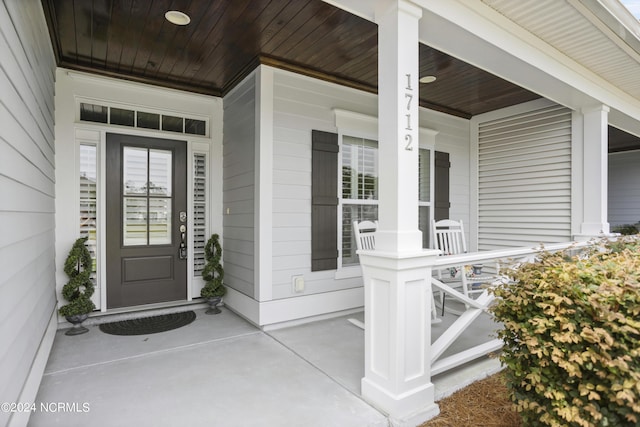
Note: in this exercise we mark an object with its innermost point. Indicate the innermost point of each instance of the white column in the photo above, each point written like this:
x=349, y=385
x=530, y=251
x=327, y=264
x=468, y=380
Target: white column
x=397, y=274
x=398, y=125
x=595, y=179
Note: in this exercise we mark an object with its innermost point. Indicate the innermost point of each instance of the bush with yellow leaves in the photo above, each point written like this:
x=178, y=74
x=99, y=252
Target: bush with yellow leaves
x=572, y=337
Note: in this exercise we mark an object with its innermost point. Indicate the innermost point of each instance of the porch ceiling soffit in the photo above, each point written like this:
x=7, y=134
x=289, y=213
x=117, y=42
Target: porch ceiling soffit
x=492, y=41
x=602, y=39
x=227, y=39
x=585, y=31
x=448, y=28
x=463, y=31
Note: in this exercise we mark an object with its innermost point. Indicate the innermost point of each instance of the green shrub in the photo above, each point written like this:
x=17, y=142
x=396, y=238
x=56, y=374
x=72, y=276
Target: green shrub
x=572, y=337
x=79, y=289
x=625, y=230
x=213, y=273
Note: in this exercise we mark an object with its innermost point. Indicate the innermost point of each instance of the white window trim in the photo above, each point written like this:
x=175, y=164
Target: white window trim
x=360, y=125
x=355, y=125
x=136, y=108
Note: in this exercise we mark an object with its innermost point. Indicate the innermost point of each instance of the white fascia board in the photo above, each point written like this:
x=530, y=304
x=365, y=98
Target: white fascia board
x=477, y=34
x=625, y=122
x=617, y=18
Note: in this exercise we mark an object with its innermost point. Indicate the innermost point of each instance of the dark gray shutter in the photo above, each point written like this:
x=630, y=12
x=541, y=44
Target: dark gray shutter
x=441, y=184
x=324, y=201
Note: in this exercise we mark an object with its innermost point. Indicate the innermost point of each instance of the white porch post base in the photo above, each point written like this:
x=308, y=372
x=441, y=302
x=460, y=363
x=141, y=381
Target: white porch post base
x=397, y=290
x=404, y=412
x=590, y=231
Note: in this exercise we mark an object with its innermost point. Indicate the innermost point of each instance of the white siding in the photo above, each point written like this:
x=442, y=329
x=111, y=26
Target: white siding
x=453, y=138
x=302, y=104
x=524, y=177
x=239, y=187
x=624, y=188
x=27, y=270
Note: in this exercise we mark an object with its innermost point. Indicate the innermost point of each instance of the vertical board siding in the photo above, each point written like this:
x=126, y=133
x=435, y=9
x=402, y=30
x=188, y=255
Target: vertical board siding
x=624, y=191
x=524, y=186
x=238, y=187
x=27, y=268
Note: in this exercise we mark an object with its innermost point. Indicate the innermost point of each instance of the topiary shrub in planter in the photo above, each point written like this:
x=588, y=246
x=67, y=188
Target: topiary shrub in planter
x=625, y=230
x=213, y=274
x=572, y=337
x=79, y=289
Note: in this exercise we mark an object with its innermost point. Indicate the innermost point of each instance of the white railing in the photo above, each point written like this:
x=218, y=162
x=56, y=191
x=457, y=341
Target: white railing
x=476, y=306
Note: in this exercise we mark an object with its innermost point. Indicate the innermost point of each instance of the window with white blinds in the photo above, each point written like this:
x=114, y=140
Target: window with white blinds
x=199, y=210
x=88, y=197
x=424, y=194
x=359, y=189
x=359, y=197
x=524, y=179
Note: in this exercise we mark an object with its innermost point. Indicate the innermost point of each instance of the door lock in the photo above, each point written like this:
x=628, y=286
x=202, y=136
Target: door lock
x=182, y=252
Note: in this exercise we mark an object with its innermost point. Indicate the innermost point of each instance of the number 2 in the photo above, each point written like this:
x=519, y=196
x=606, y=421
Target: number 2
x=409, y=140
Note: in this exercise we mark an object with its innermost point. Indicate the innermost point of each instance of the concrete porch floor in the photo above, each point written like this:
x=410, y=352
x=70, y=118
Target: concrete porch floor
x=222, y=371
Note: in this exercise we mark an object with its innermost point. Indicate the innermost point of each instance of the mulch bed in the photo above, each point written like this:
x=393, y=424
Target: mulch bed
x=484, y=403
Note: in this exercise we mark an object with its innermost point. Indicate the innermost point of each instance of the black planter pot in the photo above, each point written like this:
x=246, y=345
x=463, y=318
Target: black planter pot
x=76, y=320
x=213, y=302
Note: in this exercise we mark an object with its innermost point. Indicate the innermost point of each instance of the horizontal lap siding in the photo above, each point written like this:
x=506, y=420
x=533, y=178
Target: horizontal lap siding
x=27, y=181
x=301, y=105
x=624, y=191
x=525, y=179
x=239, y=188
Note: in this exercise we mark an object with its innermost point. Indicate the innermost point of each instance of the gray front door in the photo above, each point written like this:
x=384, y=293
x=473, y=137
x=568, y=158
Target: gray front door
x=146, y=213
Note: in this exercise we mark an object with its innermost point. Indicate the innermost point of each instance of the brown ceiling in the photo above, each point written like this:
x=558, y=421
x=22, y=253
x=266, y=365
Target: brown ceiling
x=227, y=39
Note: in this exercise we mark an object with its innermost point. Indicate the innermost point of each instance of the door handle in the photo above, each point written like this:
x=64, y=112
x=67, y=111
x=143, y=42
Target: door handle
x=182, y=251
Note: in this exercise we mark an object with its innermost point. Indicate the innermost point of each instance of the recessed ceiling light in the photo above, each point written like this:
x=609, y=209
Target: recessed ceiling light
x=176, y=17
x=427, y=79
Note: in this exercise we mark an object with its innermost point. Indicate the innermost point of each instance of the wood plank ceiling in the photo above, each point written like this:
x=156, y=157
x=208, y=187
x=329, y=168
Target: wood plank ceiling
x=227, y=39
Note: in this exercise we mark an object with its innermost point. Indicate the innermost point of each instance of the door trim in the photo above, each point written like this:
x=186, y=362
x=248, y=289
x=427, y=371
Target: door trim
x=113, y=208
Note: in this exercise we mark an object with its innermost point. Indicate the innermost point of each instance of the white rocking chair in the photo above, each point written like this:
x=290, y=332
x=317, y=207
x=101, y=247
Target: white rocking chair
x=448, y=237
x=365, y=239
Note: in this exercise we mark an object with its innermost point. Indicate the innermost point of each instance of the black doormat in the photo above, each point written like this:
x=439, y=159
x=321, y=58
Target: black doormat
x=149, y=325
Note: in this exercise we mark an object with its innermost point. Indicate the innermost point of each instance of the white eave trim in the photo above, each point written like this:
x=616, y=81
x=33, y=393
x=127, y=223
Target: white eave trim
x=617, y=18
x=516, y=55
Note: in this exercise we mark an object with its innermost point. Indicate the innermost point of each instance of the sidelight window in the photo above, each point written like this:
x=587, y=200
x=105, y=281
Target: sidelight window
x=199, y=210
x=89, y=197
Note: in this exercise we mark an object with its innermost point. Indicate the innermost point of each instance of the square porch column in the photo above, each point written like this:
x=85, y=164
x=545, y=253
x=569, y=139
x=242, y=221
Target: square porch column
x=397, y=275
x=595, y=168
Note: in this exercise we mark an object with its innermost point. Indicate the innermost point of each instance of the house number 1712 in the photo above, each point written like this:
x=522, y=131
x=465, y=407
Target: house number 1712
x=408, y=95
